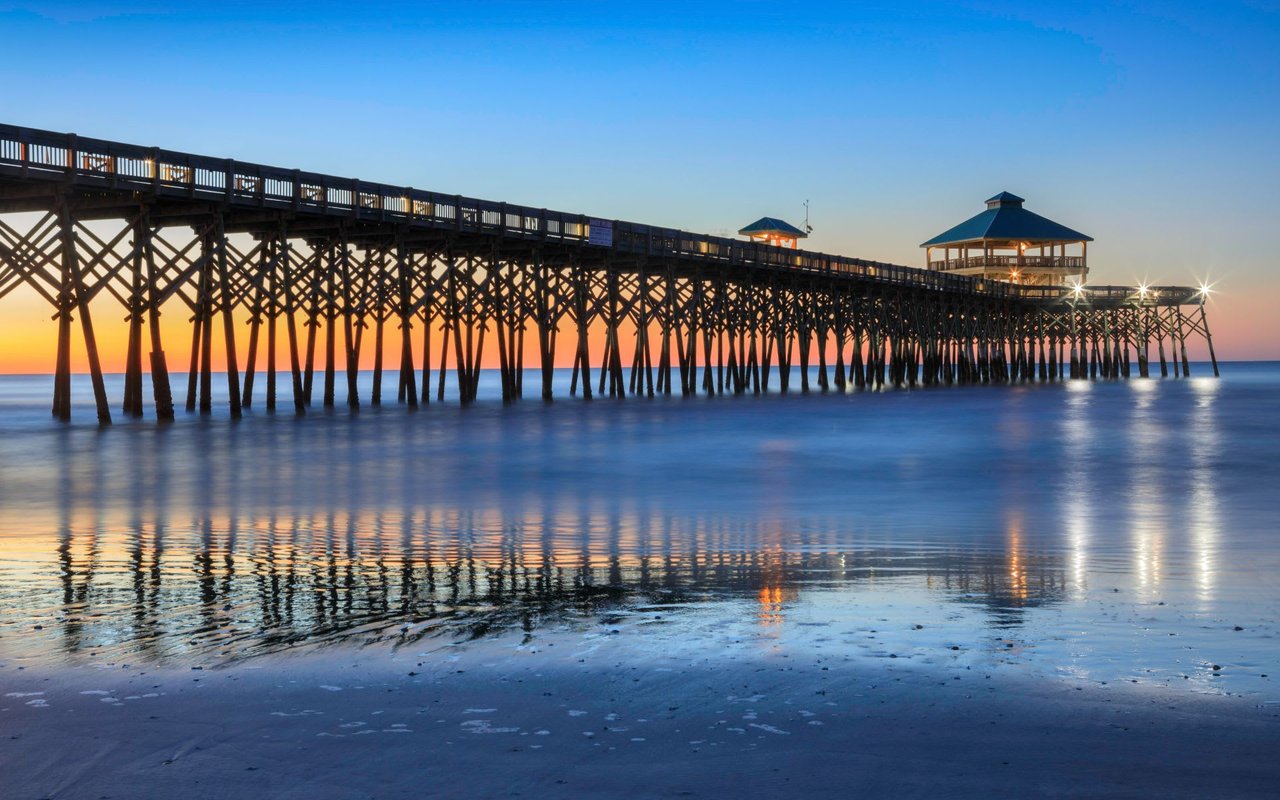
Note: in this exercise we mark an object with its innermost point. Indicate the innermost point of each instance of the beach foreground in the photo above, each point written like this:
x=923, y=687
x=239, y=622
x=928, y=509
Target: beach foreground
x=572, y=719
x=1060, y=591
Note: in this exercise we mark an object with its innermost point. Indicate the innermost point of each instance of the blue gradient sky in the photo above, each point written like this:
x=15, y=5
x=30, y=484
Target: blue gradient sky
x=1152, y=127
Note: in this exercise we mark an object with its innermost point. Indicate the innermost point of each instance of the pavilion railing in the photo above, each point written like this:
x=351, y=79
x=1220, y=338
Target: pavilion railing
x=1006, y=263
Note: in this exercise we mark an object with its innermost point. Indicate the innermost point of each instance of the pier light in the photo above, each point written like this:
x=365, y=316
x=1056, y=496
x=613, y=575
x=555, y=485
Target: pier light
x=1007, y=242
x=1142, y=290
x=1077, y=289
x=768, y=230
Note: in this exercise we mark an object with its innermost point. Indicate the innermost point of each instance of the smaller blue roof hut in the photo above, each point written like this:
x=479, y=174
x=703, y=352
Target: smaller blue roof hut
x=770, y=230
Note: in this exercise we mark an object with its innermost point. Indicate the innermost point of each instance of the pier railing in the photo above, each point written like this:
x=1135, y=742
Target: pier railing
x=35, y=154
x=1114, y=295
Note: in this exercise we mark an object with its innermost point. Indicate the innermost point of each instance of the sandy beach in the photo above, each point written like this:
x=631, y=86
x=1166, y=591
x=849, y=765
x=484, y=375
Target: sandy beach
x=576, y=716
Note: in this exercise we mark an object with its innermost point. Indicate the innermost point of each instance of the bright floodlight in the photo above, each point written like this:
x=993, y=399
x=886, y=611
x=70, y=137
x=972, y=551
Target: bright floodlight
x=1142, y=289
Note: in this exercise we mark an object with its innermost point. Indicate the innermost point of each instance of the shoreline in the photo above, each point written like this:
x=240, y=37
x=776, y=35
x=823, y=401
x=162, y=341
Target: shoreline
x=595, y=721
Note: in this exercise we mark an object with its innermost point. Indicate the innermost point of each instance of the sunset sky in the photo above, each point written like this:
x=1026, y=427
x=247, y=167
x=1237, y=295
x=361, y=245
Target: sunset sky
x=1152, y=127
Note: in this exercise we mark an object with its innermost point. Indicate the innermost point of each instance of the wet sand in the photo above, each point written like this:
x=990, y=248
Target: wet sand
x=577, y=717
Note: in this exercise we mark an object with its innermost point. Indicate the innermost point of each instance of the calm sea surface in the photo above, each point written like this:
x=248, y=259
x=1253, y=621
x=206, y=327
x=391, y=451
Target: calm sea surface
x=1102, y=531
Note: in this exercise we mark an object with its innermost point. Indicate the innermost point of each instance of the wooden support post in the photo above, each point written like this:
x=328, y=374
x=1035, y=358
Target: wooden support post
x=1160, y=347
x=251, y=357
x=784, y=359
x=66, y=300
x=718, y=340
x=197, y=324
x=352, y=328
x=408, y=387
x=644, y=330
x=766, y=355
x=546, y=320
x=272, y=313
x=137, y=304
x=378, y=256
x=708, y=360
x=291, y=322
x=331, y=324
x=227, y=297
x=519, y=350
x=859, y=371
x=160, y=386
x=460, y=357
x=1182, y=344
x=1208, y=338
x=428, y=326
x=880, y=359
x=442, y=370
x=504, y=355
x=1075, y=341
x=62, y=368
x=841, y=383
x=824, y=384
x=475, y=358
x=206, y=353
x=803, y=335
x=580, y=301
x=427, y=330
x=1144, y=342
x=313, y=323
x=684, y=354
x=1040, y=345
x=95, y=365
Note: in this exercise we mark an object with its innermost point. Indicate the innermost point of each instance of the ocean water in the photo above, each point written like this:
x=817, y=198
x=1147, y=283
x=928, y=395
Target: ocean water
x=1100, y=531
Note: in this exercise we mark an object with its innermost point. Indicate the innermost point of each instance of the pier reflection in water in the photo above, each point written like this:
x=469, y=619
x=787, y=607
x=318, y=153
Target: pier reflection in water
x=226, y=587
x=1068, y=523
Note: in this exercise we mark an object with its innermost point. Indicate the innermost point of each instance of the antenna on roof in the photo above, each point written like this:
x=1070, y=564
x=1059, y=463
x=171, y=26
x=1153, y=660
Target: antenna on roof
x=807, y=227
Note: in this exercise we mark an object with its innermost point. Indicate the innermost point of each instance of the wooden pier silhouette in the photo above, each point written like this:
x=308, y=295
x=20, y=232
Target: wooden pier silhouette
x=322, y=260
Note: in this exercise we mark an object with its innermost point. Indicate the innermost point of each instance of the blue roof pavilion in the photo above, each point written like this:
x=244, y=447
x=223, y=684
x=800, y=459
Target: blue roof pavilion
x=1008, y=242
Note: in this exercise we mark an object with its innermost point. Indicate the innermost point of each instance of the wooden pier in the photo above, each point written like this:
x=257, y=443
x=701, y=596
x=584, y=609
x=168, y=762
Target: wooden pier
x=324, y=262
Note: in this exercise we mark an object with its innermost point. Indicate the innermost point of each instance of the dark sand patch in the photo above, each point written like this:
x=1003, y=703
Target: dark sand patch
x=487, y=723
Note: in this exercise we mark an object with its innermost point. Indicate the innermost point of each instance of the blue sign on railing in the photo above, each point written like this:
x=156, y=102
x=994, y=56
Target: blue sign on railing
x=601, y=233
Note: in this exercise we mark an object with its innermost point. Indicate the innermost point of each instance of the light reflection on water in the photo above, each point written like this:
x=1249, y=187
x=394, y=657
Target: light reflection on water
x=1079, y=529
x=1074, y=492
x=1146, y=495
x=1205, y=446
